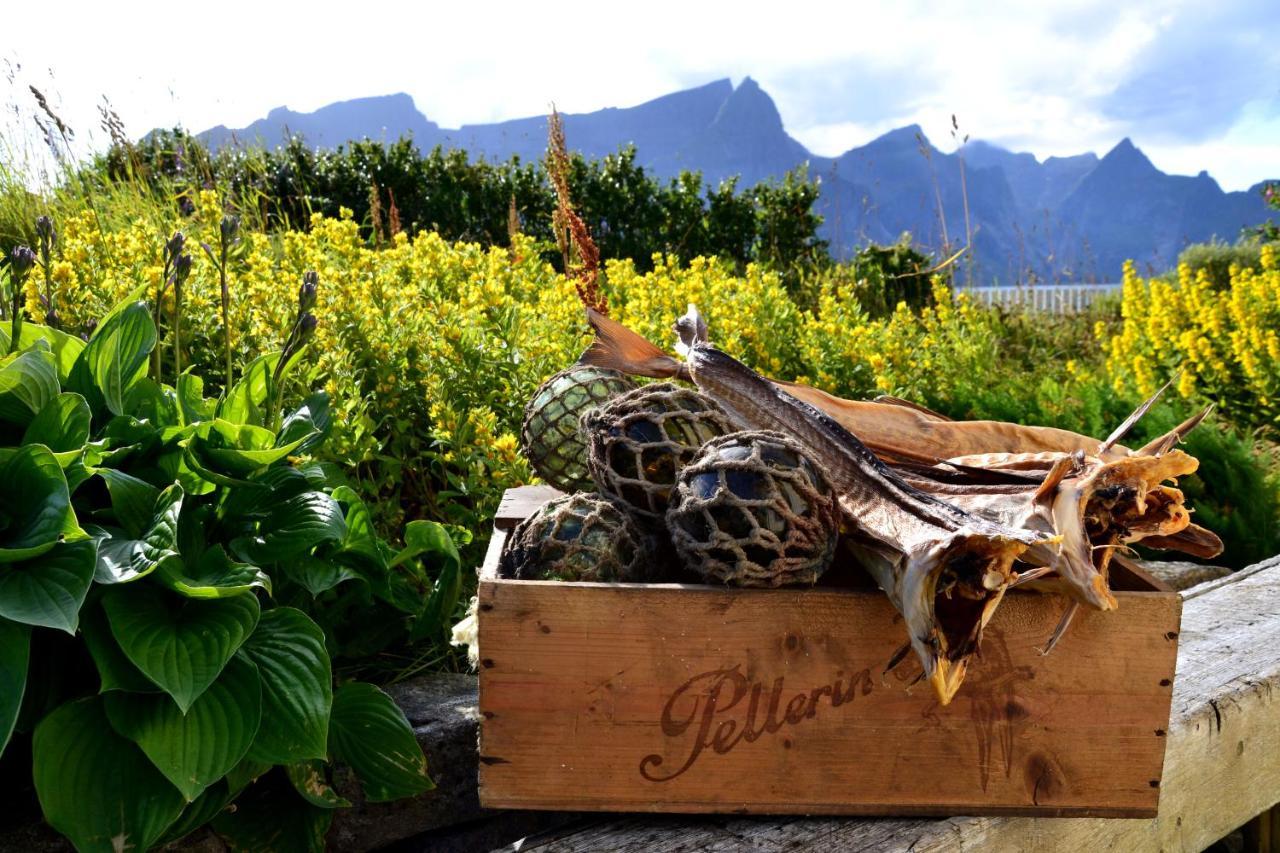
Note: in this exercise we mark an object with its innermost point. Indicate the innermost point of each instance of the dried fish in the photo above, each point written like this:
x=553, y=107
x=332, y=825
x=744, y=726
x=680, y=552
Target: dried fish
x=945, y=569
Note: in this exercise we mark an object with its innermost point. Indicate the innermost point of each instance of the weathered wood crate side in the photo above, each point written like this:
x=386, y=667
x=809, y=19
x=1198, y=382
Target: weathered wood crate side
x=706, y=699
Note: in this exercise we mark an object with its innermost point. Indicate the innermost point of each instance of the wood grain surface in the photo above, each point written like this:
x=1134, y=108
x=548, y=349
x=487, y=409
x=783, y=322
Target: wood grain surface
x=1222, y=765
x=702, y=699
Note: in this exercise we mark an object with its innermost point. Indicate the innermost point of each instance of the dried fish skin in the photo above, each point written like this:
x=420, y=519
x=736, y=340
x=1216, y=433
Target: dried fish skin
x=1093, y=505
x=906, y=432
x=945, y=569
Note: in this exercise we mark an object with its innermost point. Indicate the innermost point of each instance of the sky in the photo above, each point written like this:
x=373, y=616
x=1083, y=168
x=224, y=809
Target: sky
x=1196, y=85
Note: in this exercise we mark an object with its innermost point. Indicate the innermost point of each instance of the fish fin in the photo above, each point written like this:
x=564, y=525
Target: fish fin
x=1031, y=575
x=1193, y=539
x=1061, y=468
x=890, y=400
x=897, y=658
x=618, y=348
x=1061, y=630
x=1166, y=442
x=1120, y=431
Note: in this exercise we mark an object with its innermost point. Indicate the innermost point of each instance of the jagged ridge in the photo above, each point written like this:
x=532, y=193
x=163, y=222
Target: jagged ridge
x=1074, y=218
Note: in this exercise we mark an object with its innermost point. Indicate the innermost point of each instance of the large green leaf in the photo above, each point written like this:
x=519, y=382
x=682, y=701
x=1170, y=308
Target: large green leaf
x=195, y=749
x=430, y=538
x=308, y=779
x=62, y=426
x=115, y=358
x=28, y=381
x=191, y=400
x=238, y=450
x=35, y=505
x=317, y=575
x=271, y=817
x=246, y=773
x=48, y=590
x=181, y=644
x=115, y=671
x=15, y=653
x=96, y=787
x=370, y=733
x=362, y=538
x=154, y=403
x=123, y=560
x=308, y=424
x=245, y=403
x=426, y=537
x=297, y=686
x=437, y=614
x=294, y=527
x=257, y=497
x=205, y=808
x=65, y=348
x=133, y=501
x=215, y=575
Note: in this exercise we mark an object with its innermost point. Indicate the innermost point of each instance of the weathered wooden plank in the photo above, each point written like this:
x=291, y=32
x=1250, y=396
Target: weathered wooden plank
x=667, y=698
x=519, y=504
x=1222, y=766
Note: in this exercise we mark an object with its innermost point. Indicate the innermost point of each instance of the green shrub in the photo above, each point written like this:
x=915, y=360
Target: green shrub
x=1216, y=258
x=179, y=586
x=395, y=187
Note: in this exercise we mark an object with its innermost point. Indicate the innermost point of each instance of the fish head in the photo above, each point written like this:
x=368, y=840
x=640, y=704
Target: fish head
x=690, y=329
x=949, y=594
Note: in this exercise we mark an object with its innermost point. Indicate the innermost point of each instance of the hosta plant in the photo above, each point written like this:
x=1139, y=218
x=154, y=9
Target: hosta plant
x=176, y=582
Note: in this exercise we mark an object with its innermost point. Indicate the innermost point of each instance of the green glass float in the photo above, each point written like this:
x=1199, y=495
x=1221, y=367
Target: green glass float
x=578, y=537
x=551, y=435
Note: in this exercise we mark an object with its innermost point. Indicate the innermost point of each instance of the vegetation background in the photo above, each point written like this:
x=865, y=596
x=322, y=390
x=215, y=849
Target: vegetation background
x=438, y=304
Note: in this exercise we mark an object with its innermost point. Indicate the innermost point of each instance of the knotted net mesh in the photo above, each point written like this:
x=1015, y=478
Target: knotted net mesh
x=578, y=537
x=752, y=510
x=640, y=441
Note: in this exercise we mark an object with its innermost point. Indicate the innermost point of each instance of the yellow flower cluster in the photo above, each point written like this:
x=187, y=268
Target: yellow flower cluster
x=751, y=316
x=911, y=354
x=1222, y=344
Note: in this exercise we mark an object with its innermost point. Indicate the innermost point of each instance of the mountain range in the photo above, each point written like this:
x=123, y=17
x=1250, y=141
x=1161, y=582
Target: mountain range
x=1064, y=218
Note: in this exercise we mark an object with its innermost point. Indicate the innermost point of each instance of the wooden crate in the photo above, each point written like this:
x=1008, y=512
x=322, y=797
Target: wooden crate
x=686, y=698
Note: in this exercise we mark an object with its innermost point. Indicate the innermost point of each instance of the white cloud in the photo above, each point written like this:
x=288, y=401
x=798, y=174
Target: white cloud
x=1030, y=76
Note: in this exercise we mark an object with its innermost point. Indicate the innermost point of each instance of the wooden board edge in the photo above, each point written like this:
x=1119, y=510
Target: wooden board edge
x=1138, y=574
x=489, y=568
x=808, y=809
x=1233, y=578
x=519, y=503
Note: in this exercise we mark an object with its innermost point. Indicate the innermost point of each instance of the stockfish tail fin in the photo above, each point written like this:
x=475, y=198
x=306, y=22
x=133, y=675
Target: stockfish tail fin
x=1166, y=442
x=1129, y=422
x=1193, y=539
x=618, y=348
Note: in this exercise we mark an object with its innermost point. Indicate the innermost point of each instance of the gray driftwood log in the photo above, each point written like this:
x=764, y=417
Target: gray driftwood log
x=1222, y=766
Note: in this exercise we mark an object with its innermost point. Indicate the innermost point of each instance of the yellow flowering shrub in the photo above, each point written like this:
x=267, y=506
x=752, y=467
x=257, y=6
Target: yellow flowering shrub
x=751, y=316
x=917, y=355
x=429, y=350
x=1223, y=344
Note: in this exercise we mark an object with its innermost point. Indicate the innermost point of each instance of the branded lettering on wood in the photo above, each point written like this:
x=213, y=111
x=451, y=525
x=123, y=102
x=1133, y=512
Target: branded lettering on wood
x=709, y=695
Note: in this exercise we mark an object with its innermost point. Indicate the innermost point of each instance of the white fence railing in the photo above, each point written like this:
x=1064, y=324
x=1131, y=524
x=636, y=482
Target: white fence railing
x=1057, y=298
